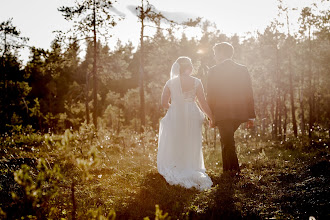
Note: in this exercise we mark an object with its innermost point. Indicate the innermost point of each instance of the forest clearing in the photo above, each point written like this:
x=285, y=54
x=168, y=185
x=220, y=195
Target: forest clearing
x=79, y=121
x=115, y=176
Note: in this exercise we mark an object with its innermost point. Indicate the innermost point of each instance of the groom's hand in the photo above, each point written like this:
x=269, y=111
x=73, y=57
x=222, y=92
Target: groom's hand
x=211, y=123
x=250, y=124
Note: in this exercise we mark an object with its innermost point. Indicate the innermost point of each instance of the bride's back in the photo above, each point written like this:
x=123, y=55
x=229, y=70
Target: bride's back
x=187, y=83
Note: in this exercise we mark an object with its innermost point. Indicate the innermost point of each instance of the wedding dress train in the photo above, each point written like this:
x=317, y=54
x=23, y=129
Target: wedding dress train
x=180, y=156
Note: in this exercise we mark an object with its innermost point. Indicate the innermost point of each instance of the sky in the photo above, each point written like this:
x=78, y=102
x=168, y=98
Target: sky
x=37, y=19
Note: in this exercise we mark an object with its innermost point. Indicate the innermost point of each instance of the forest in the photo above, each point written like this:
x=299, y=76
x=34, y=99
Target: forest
x=79, y=134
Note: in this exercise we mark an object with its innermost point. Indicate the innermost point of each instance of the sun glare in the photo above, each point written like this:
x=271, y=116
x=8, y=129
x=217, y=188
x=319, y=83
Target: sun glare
x=200, y=51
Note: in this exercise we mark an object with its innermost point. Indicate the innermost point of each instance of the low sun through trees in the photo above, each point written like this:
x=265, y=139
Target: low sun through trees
x=80, y=77
x=52, y=91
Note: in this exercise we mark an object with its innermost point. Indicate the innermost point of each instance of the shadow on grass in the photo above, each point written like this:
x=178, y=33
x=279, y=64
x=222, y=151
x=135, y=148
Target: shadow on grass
x=307, y=193
x=155, y=190
x=219, y=202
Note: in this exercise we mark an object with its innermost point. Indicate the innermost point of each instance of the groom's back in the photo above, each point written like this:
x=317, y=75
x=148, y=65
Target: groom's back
x=229, y=92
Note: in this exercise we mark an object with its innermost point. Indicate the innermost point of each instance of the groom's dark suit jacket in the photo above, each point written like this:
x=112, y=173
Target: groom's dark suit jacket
x=229, y=92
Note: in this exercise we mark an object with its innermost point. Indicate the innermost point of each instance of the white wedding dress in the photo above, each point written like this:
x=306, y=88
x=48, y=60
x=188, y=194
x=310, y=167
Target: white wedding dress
x=180, y=156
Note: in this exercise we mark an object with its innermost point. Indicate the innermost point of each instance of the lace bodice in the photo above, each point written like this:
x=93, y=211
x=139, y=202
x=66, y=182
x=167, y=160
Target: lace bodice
x=188, y=96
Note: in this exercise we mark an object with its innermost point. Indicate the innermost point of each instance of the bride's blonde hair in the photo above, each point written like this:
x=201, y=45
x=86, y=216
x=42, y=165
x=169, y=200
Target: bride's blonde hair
x=185, y=63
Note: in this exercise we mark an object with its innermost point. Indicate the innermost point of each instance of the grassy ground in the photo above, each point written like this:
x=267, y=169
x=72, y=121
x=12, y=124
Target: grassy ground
x=116, y=172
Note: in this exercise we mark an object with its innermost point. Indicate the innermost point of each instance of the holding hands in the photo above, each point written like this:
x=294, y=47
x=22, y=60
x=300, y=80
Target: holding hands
x=211, y=122
x=250, y=124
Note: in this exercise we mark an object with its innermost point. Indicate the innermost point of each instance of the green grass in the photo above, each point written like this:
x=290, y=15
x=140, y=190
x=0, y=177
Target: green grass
x=117, y=172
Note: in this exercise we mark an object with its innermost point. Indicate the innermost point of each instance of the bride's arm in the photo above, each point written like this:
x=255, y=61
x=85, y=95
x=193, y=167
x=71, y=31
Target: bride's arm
x=202, y=101
x=166, y=97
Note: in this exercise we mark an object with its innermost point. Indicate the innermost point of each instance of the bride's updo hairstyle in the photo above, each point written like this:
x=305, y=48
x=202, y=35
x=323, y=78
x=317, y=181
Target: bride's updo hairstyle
x=185, y=63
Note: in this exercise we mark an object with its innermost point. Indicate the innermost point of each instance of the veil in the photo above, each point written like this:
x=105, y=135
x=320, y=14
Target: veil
x=175, y=70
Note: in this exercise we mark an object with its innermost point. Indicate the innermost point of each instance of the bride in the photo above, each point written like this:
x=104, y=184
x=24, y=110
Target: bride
x=180, y=156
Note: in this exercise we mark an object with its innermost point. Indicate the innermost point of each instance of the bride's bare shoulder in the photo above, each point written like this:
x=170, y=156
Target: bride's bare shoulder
x=168, y=83
x=196, y=79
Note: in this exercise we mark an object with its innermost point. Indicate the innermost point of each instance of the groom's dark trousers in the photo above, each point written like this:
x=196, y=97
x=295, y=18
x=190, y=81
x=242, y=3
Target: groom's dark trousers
x=230, y=97
x=227, y=130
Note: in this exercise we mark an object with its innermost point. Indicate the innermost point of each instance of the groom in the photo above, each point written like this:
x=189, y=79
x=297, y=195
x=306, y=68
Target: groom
x=230, y=97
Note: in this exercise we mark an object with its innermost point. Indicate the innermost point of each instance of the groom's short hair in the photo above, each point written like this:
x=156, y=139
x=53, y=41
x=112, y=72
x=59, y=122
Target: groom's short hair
x=224, y=49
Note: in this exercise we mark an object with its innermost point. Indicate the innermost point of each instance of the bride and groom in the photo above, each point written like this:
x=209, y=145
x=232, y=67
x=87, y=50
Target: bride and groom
x=228, y=103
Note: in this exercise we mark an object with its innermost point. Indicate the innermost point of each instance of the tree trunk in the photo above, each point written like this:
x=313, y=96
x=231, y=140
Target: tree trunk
x=87, y=99
x=293, y=108
x=317, y=98
x=310, y=85
x=278, y=118
x=141, y=81
x=263, y=114
x=285, y=118
x=273, y=117
x=275, y=123
x=95, y=70
x=280, y=113
x=5, y=96
x=302, y=114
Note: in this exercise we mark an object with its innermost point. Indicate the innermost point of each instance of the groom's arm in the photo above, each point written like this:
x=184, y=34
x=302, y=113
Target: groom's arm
x=209, y=91
x=249, y=96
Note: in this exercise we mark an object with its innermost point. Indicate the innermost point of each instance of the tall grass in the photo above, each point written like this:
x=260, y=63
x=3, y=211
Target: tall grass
x=105, y=175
